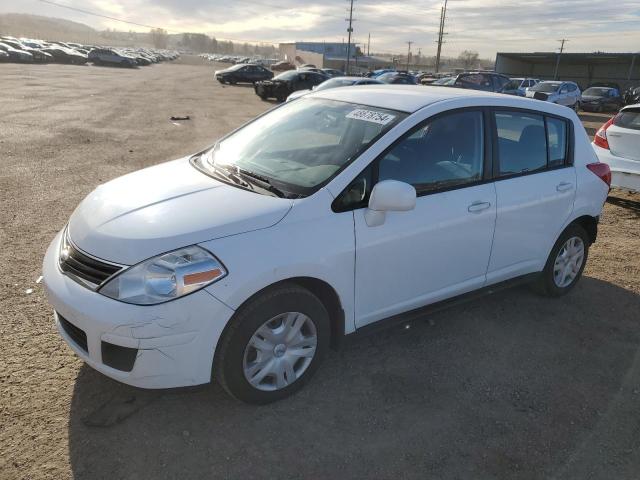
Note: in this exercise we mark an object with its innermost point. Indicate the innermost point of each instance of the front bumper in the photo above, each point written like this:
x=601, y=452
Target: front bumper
x=625, y=173
x=175, y=341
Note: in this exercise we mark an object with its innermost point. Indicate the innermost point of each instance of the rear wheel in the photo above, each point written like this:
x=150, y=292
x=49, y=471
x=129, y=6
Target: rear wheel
x=273, y=345
x=566, y=262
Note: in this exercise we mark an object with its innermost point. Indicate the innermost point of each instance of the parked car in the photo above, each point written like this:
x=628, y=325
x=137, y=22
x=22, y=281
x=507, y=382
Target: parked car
x=562, y=93
x=111, y=57
x=16, y=55
x=443, y=82
x=332, y=72
x=397, y=78
x=327, y=215
x=282, y=66
x=617, y=143
x=485, y=81
x=381, y=71
x=243, y=73
x=286, y=83
x=599, y=99
x=518, y=86
x=65, y=55
x=36, y=54
x=335, y=83
x=632, y=96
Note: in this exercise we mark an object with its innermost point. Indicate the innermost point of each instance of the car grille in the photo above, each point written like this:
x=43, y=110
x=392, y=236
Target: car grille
x=84, y=269
x=77, y=335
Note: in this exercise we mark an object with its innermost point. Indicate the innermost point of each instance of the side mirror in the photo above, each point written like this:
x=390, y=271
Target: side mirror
x=389, y=196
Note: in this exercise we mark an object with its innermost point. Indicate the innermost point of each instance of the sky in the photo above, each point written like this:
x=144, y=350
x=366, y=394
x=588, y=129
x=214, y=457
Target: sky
x=485, y=26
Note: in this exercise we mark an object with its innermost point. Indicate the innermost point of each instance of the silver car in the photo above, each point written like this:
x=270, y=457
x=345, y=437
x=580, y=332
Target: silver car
x=562, y=93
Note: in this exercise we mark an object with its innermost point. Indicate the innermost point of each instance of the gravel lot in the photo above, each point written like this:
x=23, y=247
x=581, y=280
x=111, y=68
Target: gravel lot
x=510, y=386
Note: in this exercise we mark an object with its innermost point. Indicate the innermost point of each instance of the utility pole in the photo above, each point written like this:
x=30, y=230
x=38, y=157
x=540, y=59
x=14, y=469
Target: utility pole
x=349, y=31
x=408, y=54
x=562, y=41
x=441, y=33
x=369, y=45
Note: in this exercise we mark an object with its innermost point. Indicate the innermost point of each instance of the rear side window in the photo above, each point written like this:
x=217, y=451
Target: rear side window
x=556, y=141
x=522, y=144
x=628, y=119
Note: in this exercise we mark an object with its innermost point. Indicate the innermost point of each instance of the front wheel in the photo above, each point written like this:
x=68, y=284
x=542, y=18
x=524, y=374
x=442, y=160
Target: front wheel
x=273, y=345
x=566, y=262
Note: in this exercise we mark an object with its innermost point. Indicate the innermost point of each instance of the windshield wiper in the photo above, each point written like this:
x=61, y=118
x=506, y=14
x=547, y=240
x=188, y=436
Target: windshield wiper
x=261, y=181
x=230, y=173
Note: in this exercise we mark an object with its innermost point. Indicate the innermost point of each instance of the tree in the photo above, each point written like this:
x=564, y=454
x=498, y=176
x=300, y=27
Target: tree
x=468, y=59
x=159, y=37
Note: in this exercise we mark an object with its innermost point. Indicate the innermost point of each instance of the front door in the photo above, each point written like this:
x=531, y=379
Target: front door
x=442, y=247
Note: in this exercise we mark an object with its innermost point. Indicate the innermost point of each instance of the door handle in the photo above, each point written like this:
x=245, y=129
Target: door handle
x=476, y=207
x=564, y=186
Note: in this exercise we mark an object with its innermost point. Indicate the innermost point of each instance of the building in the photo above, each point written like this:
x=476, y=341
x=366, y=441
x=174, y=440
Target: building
x=328, y=55
x=582, y=68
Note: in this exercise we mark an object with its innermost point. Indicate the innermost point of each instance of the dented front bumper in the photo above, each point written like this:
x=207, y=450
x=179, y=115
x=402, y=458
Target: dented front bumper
x=173, y=343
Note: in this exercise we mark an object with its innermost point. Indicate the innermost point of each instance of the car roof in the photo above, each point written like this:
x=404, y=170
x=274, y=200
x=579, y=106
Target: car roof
x=411, y=98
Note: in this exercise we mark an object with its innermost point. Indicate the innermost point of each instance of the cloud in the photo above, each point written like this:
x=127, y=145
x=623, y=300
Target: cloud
x=483, y=25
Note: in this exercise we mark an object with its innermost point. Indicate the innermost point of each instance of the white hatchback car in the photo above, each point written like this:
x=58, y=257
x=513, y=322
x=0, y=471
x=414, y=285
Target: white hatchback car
x=247, y=261
x=562, y=93
x=617, y=143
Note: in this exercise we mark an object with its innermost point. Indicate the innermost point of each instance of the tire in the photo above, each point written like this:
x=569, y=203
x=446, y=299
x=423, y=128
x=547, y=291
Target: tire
x=554, y=285
x=237, y=358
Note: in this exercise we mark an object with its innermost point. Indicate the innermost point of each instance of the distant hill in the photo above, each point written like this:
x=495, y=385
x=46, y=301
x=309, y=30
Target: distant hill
x=58, y=29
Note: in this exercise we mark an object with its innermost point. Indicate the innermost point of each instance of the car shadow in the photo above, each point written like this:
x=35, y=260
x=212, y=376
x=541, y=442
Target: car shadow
x=628, y=204
x=512, y=385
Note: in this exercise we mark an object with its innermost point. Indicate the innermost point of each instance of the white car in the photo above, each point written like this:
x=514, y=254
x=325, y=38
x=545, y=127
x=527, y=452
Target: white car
x=247, y=261
x=335, y=82
x=562, y=93
x=617, y=143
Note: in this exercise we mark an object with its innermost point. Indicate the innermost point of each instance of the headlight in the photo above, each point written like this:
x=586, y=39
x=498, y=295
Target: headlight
x=165, y=277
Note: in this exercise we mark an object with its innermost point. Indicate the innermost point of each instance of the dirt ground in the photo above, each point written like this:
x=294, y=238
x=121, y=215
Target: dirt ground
x=512, y=386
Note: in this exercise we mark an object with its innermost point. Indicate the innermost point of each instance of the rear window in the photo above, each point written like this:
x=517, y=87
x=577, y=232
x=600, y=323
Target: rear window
x=628, y=119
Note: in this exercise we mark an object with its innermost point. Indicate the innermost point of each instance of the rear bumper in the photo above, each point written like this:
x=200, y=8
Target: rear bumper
x=175, y=341
x=625, y=173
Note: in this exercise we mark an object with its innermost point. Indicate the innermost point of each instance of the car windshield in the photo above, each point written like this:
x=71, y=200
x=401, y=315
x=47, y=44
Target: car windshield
x=596, y=92
x=301, y=145
x=547, y=87
x=288, y=75
x=336, y=82
x=444, y=81
x=512, y=84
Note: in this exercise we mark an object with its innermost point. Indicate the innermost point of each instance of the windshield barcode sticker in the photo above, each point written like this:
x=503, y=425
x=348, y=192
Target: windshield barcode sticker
x=371, y=116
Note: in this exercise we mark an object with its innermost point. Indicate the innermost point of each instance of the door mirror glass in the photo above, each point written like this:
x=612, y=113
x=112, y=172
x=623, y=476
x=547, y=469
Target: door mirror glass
x=389, y=196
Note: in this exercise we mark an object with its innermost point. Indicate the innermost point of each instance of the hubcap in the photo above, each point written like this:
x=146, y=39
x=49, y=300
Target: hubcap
x=280, y=351
x=568, y=262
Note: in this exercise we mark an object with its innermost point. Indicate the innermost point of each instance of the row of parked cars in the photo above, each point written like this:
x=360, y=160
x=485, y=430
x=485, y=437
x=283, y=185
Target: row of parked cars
x=27, y=50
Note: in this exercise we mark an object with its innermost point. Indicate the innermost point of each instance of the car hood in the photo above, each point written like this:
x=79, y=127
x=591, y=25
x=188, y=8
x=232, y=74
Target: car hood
x=165, y=207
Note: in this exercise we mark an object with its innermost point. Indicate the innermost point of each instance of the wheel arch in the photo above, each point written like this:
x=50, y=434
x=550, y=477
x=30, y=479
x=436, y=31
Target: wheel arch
x=327, y=295
x=590, y=225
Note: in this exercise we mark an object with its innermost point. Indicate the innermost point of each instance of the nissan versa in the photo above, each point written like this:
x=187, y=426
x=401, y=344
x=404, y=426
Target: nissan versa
x=247, y=261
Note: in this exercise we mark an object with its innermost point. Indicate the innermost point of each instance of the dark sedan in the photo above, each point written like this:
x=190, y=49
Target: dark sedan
x=397, y=78
x=288, y=82
x=243, y=73
x=599, y=99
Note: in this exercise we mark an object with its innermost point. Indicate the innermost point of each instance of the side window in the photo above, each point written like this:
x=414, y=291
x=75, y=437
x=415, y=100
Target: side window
x=522, y=146
x=557, y=141
x=437, y=155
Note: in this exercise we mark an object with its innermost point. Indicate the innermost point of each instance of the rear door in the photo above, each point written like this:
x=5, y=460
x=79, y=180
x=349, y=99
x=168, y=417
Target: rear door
x=535, y=186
